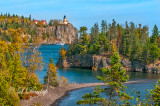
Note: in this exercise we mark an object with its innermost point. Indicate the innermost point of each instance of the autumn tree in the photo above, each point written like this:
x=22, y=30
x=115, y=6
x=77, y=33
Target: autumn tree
x=51, y=78
x=8, y=95
x=62, y=53
x=151, y=98
x=12, y=70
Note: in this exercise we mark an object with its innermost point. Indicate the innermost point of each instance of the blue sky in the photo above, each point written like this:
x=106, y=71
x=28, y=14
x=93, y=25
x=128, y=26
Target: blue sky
x=87, y=12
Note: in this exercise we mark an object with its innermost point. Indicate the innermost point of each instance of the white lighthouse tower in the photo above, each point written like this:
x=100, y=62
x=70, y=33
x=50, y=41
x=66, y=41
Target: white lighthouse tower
x=65, y=20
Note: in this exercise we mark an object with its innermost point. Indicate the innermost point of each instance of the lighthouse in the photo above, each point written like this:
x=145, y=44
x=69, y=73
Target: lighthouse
x=65, y=20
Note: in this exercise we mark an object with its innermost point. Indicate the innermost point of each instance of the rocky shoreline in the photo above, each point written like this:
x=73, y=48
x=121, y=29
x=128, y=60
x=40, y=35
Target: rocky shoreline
x=56, y=93
x=95, y=62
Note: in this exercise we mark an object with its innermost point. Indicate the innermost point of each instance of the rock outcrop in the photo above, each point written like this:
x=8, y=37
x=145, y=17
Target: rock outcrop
x=89, y=61
x=66, y=33
x=95, y=62
x=153, y=68
x=76, y=61
x=63, y=32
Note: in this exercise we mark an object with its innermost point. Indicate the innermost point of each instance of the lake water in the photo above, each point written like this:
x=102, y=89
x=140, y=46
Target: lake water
x=88, y=76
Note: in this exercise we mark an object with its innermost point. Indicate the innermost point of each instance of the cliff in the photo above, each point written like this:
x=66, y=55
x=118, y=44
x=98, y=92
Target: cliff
x=89, y=61
x=65, y=33
x=76, y=61
x=95, y=62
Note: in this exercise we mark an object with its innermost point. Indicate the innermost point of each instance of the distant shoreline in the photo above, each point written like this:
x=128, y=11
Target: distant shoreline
x=56, y=93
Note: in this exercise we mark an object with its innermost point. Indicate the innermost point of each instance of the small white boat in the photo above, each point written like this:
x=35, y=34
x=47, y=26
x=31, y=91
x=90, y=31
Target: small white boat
x=60, y=43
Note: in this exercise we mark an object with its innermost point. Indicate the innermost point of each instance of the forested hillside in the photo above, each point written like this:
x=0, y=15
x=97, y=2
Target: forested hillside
x=24, y=24
x=54, y=32
x=132, y=41
x=18, y=61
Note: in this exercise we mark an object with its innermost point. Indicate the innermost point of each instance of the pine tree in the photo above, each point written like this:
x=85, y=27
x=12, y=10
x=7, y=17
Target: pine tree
x=114, y=77
x=103, y=27
x=82, y=30
x=155, y=34
x=154, y=52
x=30, y=18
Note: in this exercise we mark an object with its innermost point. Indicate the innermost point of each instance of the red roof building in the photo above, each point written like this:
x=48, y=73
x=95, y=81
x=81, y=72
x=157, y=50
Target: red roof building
x=35, y=21
x=44, y=22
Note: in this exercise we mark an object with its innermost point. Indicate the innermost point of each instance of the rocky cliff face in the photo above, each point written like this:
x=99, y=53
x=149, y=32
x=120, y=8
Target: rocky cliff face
x=153, y=68
x=95, y=62
x=88, y=61
x=76, y=61
x=65, y=33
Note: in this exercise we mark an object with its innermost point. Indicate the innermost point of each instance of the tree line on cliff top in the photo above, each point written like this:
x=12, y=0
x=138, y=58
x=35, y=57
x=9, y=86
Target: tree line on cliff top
x=115, y=91
x=26, y=24
x=132, y=41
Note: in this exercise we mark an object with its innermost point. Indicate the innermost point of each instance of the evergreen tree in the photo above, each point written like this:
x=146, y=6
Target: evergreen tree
x=84, y=41
x=115, y=78
x=83, y=30
x=154, y=52
x=30, y=18
x=146, y=52
x=13, y=15
x=114, y=32
x=44, y=36
x=94, y=33
x=155, y=34
x=119, y=41
x=103, y=27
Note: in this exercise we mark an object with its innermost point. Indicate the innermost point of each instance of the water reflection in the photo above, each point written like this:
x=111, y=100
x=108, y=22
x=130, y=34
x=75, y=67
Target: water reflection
x=139, y=75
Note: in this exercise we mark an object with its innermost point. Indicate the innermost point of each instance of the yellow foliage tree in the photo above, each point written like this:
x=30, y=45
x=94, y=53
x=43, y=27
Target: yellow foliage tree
x=51, y=78
x=114, y=46
x=13, y=73
x=62, y=53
